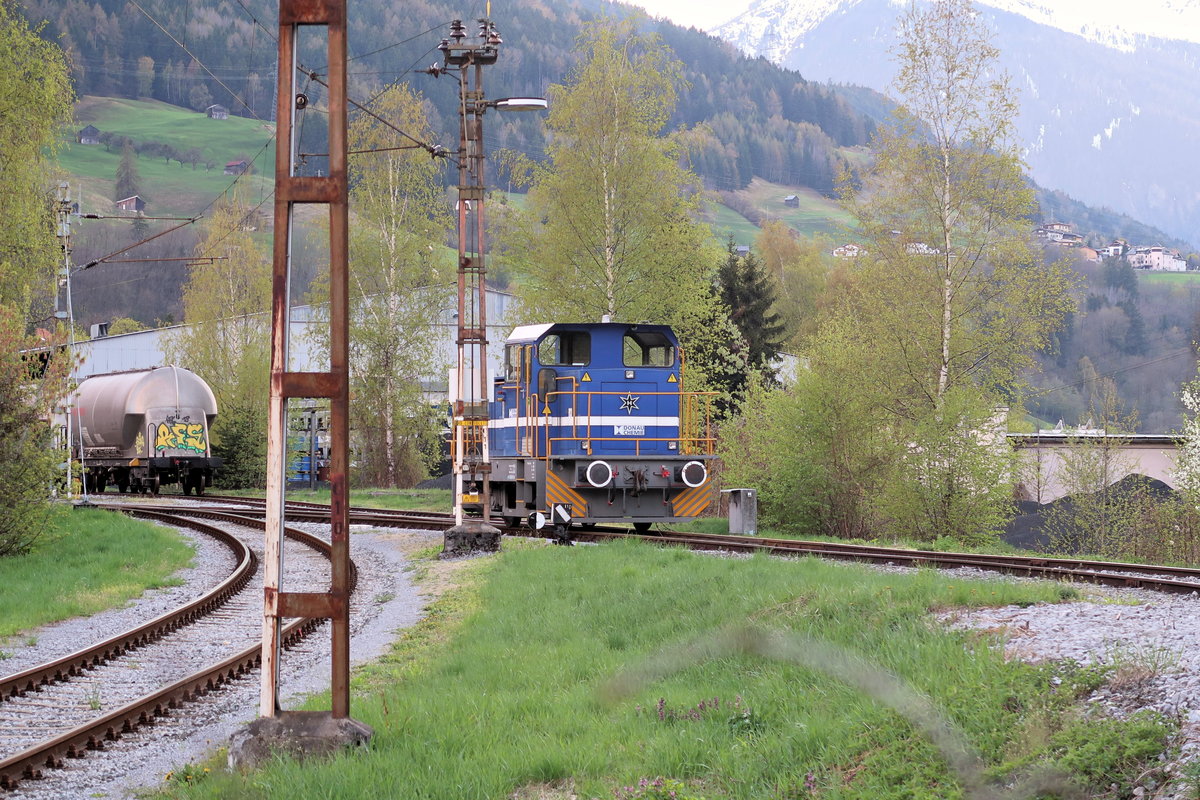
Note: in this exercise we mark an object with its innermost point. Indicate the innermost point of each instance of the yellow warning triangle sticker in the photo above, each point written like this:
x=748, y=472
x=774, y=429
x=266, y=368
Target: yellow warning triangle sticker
x=585, y=377
x=671, y=378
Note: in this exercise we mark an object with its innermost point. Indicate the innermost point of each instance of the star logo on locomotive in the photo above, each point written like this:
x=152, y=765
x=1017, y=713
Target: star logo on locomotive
x=629, y=403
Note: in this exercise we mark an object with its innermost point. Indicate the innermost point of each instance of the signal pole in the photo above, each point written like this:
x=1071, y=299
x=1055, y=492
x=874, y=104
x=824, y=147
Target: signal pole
x=470, y=390
x=65, y=209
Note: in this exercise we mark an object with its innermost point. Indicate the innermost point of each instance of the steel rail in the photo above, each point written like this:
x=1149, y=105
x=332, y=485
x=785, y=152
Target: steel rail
x=76, y=663
x=1180, y=580
x=93, y=736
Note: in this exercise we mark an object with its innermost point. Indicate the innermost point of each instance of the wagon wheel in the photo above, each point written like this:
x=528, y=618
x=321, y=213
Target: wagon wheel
x=154, y=484
x=199, y=485
x=186, y=483
x=101, y=482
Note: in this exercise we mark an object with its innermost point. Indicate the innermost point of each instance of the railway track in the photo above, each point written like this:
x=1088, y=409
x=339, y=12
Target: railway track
x=249, y=511
x=1177, y=580
x=50, y=715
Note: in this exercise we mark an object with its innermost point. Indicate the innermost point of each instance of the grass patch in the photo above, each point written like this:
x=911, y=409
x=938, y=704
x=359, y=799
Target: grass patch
x=724, y=222
x=816, y=214
x=504, y=689
x=1180, y=279
x=92, y=561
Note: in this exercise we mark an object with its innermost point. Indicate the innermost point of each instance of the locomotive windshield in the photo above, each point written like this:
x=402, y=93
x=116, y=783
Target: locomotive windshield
x=648, y=349
x=566, y=349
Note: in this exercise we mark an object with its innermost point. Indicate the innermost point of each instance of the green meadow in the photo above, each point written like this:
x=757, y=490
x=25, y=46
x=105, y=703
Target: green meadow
x=635, y=672
x=89, y=561
x=169, y=189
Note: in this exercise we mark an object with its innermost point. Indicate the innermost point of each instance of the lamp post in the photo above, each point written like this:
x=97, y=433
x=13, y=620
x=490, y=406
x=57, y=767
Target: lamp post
x=469, y=390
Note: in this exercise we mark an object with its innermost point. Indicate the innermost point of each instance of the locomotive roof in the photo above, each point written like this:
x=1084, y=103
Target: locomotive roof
x=531, y=333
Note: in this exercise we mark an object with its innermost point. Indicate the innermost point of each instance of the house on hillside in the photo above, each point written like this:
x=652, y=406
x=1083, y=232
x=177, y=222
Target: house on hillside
x=791, y=201
x=1116, y=248
x=133, y=205
x=849, y=251
x=1156, y=258
x=1090, y=255
x=237, y=167
x=217, y=111
x=88, y=135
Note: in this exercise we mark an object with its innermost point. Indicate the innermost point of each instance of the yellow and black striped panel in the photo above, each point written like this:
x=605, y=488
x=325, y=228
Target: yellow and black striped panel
x=558, y=492
x=692, y=501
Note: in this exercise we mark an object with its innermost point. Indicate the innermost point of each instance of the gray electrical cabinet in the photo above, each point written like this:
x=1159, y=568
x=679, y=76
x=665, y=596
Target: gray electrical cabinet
x=743, y=511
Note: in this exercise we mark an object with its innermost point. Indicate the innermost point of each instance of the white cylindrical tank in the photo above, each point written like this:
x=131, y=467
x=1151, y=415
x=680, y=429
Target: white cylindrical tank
x=156, y=412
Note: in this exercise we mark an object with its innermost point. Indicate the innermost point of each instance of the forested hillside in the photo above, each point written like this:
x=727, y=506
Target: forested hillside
x=755, y=118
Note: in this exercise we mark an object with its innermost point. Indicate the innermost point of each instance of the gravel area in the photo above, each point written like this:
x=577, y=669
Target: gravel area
x=1152, y=641
x=384, y=603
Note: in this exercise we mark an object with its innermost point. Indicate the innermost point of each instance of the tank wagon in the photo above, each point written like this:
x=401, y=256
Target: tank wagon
x=144, y=429
x=588, y=425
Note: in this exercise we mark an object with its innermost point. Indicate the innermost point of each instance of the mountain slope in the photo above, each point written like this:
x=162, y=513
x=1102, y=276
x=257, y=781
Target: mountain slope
x=1110, y=125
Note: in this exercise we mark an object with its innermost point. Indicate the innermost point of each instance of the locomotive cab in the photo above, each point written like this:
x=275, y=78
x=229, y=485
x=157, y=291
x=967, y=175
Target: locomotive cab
x=590, y=424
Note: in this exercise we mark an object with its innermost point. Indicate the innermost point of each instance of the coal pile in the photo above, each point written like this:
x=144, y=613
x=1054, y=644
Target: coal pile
x=1027, y=529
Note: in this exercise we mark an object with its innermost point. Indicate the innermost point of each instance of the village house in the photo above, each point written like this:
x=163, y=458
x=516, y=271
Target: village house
x=217, y=111
x=849, y=251
x=135, y=204
x=1156, y=257
x=1059, y=233
x=791, y=201
x=237, y=167
x=88, y=135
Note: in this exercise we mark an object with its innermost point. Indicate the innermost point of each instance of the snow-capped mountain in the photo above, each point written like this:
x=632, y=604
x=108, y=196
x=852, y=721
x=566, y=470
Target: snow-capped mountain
x=1110, y=112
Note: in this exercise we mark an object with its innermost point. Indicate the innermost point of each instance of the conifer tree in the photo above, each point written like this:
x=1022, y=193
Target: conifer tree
x=748, y=291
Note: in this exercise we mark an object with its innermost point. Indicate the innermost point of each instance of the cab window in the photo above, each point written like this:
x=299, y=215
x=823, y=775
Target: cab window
x=565, y=349
x=648, y=349
x=512, y=362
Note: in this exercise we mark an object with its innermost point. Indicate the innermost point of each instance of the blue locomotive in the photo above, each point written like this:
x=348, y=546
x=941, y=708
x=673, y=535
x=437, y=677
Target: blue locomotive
x=589, y=424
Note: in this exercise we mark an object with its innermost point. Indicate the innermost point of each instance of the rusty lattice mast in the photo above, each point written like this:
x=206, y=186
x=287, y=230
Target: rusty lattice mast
x=330, y=191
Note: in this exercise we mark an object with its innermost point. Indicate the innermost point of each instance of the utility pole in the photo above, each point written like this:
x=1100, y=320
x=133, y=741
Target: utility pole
x=64, y=208
x=470, y=391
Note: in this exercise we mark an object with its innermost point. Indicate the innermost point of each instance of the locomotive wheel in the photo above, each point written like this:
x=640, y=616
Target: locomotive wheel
x=642, y=527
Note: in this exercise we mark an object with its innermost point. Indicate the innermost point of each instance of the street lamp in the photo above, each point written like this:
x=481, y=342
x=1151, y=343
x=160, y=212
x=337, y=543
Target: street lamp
x=469, y=389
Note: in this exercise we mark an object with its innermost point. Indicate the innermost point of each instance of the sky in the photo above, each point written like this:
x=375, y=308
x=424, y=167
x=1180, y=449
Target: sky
x=702, y=14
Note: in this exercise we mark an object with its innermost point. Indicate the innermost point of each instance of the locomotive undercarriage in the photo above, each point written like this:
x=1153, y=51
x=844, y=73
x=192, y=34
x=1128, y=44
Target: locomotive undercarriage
x=590, y=491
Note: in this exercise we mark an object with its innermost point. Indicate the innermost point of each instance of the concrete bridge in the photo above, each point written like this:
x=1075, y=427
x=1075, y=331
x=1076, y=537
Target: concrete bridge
x=1044, y=459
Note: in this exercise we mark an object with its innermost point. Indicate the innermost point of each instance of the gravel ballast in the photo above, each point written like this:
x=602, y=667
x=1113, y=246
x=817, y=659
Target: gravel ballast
x=385, y=603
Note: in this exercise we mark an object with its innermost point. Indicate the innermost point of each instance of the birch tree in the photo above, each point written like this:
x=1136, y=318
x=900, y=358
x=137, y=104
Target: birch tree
x=35, y=102
x=950, y=302
x=954, y=290
x=610, y=227
x=400, y=274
